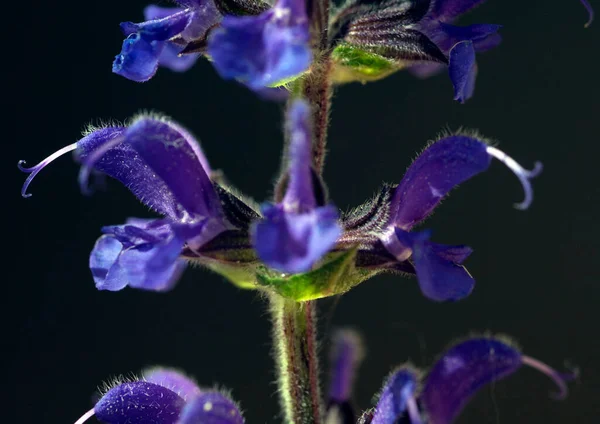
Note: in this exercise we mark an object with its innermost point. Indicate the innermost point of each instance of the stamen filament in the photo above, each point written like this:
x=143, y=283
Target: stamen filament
x=550, y=372
x=34, y=170
x=590, y=11
x=413, y=411
x=524, y=175
x=85, y=416
x=88, y=164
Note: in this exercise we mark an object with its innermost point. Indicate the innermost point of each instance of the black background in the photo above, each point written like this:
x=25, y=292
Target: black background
x=536, y=271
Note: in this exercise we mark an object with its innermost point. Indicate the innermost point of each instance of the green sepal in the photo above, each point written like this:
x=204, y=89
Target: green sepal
x=336, y=276
x=352, y=63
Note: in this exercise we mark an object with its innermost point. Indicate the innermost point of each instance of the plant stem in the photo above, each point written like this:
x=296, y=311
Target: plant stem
x=294, y=335
x=317, y=91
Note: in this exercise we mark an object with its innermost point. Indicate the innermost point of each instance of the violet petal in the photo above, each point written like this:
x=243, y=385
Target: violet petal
x=184, y=386
x=211, y=408
x=139, y=402
x=461, y=372
x=440, y=279
x=437, y=170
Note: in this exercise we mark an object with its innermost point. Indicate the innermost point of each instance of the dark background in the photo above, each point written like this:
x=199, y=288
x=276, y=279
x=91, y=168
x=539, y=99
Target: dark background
x=536, y=271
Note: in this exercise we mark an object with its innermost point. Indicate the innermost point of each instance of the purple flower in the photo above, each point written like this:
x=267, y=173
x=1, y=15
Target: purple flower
x=419, y=35
x=441, y=167
x=459, y=43
x=297, y=232
x=347, y=353
x=385, y=225
x=163, y=397
x=451, y=382
x=148, y=44
x=263, y=50
x=162, y=165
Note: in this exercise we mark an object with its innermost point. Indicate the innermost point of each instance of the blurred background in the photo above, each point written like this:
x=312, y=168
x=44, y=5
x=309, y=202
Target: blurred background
x=537, y=271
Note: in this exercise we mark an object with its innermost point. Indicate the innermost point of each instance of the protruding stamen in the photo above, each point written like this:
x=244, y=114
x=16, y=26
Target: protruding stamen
x=590, y=11
x=34, y=170
x=88, y=163
x=413, y=411
x=558, y=378
x=85, y=416
x=522, y=174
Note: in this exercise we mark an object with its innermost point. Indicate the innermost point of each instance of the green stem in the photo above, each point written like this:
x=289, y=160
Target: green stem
x=294, y=335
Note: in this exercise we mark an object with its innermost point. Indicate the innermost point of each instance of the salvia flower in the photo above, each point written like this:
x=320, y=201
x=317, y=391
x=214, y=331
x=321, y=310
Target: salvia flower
x=163, y=396
x=377, y=39
x=161, y=163
x=151, y=43
x=297, y=232
x=263, y=50
x=439, y=396
x=391, y=216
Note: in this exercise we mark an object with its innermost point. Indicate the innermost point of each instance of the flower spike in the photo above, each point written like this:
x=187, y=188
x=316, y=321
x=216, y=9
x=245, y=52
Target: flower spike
x=522, y=174
x=34, y=170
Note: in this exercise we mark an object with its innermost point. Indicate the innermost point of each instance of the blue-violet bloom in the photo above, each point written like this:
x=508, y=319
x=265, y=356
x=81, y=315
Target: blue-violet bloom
x=163, y=397
x=297, y=232
x=151, y=43
x=163, y=166
x=263, y=50
x=437, y=170
x=451, y=382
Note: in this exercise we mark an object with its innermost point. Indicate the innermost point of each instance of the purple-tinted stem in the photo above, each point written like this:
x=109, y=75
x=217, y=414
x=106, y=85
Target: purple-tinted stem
x=590, y=11
x=294, y=335
x=317, y=91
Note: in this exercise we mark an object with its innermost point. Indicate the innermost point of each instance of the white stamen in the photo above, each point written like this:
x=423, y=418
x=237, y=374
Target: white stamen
x=522, y=174
x=85, y=416
x=413, y=411
x=553, y=374
x=34, y=170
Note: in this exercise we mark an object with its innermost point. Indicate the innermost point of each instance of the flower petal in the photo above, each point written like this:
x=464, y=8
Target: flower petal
x=159, y=162
x=461, y=372
x=174, y=156
x=398, y=392
x=439, y=278
x=107, y=273
x=439, y=168
x=149, y=258
x=139, y=402
x=346, y=355
x=138, y=59
x=292, y=243
x=263, y=50
x=211, y=408
x=299, y=196
x=463, y=70
x=173, y=380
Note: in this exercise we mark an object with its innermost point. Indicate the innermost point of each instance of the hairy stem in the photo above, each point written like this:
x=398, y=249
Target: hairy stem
x=294, y=335
x=317, y=90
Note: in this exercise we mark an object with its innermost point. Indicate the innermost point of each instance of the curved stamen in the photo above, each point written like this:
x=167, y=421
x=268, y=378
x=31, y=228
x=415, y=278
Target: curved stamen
x=88, y=164
x=85, y=416
x=34, y=170
x=558, y=378
x=590, y=11
x=522, y=174
x=413, y=411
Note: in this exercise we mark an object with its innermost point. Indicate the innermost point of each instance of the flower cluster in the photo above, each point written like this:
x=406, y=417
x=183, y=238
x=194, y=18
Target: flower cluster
x=297, y=247
x=164, y=396
x=202, y=221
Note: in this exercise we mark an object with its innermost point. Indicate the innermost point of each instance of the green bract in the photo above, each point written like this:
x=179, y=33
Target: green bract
x=352, y=63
